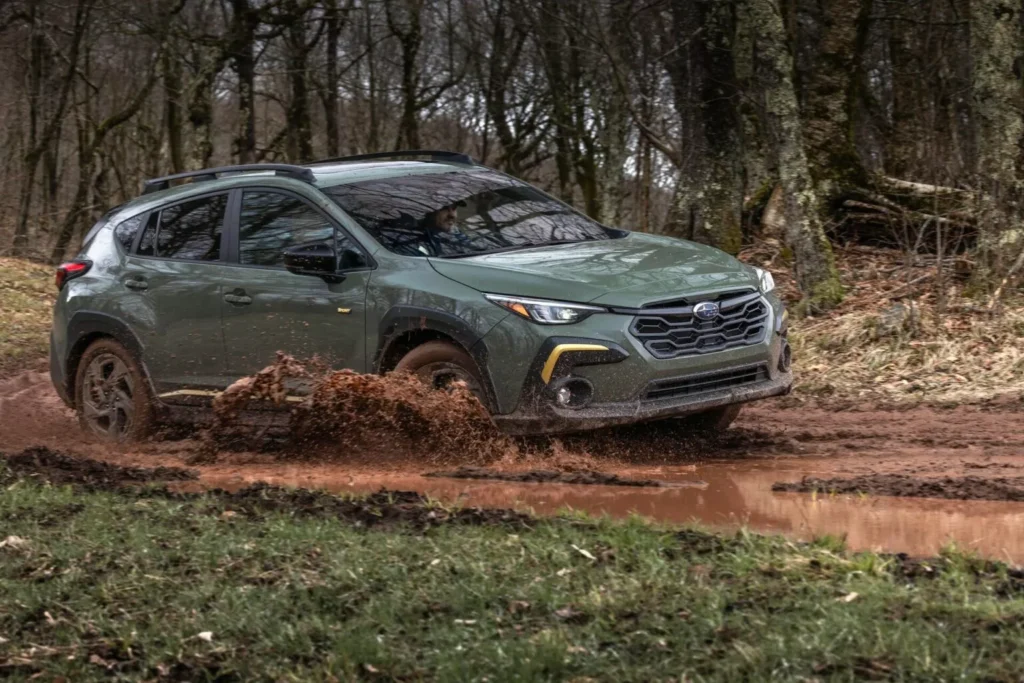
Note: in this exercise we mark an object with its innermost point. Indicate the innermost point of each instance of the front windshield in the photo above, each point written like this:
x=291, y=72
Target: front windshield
x=462, y=213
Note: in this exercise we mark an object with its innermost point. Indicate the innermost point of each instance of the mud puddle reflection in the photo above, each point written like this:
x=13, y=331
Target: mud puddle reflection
x=723, y=496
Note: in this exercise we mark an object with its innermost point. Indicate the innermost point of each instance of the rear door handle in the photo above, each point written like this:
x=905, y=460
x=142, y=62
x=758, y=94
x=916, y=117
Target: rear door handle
x=138, y=285
x=239, y=299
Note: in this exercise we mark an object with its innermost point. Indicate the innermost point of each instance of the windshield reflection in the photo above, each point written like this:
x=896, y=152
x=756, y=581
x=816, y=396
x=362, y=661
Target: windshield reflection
x=462, y=213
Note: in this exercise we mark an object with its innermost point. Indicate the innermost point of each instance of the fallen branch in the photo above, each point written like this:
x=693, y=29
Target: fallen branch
x=920, y=189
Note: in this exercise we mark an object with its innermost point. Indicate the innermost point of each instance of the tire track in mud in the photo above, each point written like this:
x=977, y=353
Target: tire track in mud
x=365, y=424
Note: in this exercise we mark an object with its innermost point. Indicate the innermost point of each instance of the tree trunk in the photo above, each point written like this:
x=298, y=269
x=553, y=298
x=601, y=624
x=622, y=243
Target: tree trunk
x=38, y=144
x=410, y=38
x=299, y=136
x=708, y=202
x=832, y=35
x=171, y=69
x=996, y=40
x=332, y=16
x=91, y=142
x=813, y=261
x=244, y=22
x=551, y=37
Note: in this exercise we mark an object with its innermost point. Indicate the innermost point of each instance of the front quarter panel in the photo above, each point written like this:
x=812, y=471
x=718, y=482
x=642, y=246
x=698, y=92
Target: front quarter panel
x=402, y=285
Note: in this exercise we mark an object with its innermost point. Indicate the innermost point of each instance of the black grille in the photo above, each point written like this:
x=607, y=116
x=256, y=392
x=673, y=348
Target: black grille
x=704, y=382
x=671, y=330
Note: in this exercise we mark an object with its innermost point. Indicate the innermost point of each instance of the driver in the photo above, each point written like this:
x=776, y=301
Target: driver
x=444, y=219
x=441, y=229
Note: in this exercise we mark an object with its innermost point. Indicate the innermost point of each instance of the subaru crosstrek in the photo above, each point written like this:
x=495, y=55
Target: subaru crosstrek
x=423, y=262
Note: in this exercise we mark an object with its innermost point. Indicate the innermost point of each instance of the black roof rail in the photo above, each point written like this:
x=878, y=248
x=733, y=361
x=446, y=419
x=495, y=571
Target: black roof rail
x=434, y=154
x=288, y=170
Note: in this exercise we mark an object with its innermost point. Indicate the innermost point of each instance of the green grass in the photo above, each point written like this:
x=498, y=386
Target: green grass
x=105, y=585
x=26, y=305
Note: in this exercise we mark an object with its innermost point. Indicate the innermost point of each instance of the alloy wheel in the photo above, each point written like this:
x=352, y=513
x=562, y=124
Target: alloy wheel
x=108, y=397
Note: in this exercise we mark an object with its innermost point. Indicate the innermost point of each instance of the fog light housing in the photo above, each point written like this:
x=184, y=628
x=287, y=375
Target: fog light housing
x=572, y=392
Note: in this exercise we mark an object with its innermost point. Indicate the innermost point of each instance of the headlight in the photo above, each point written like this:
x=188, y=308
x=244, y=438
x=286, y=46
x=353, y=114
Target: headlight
x=765, y=281
x=543, y=311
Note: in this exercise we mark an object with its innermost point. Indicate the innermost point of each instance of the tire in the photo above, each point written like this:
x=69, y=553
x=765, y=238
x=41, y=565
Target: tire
x=439, y=363
x=112, y=396
x=712, y=421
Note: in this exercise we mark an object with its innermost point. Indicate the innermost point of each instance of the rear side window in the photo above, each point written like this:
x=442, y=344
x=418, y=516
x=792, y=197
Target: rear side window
x=126, y=231
x=272, y=222
x=189, y=231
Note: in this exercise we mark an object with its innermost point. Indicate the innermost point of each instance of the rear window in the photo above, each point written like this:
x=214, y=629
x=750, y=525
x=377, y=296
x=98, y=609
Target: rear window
x=126, y=231
x=95, y=229
x=462, y=213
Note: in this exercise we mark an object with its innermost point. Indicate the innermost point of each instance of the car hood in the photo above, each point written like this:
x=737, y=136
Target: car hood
x=635, y=270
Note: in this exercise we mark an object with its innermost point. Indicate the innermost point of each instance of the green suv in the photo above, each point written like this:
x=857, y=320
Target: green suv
x=423, y=262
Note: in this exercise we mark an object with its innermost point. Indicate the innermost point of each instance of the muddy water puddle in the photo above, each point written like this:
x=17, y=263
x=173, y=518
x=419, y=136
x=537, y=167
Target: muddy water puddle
x=719, y=495
x=773, y=442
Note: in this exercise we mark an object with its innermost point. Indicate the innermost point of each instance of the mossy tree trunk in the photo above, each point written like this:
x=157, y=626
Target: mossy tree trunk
x=813, y=261
x=828, y=81
x=996, y=46
x=708, y=202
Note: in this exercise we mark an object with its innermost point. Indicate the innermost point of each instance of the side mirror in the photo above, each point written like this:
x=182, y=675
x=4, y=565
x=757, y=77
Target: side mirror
x=350, y=259
x=312, y=259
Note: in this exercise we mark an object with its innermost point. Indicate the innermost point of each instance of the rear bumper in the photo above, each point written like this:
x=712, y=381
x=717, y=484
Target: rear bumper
x=551, y=419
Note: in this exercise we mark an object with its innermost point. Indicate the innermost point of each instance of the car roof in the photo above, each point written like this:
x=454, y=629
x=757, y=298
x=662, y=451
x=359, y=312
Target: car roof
x=325, y=174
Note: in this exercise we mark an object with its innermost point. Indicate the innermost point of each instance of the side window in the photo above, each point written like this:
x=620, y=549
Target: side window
x=272, y=222
x=147, y=245
x=191, y=231
x=126, y=231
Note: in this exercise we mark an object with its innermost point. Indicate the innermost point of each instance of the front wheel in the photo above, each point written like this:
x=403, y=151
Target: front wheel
x=440, y=364
x=712, y=421
x=111, y=397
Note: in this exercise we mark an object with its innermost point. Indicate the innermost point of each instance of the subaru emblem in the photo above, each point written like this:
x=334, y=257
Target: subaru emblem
x=706, y=310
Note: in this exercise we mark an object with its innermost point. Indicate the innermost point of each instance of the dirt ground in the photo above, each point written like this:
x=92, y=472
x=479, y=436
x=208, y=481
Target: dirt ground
x=904, y=479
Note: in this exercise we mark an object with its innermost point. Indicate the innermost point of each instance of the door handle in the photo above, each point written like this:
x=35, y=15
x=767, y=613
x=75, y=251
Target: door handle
x=239, y=299
x=136, y=284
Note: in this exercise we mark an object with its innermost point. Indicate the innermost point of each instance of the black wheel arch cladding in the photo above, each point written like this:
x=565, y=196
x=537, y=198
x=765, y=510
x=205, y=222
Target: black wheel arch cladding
x=402, y=319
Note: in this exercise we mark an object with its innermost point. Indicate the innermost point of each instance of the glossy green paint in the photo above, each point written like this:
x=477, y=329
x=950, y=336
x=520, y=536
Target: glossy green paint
x=632, y=271
x=303, y=316
x=191, y=337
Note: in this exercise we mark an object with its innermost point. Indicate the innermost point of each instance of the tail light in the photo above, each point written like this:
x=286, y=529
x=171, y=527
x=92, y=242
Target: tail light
x=71, y=270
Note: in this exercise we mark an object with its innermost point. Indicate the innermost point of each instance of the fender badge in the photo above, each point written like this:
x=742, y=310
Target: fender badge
x=345, y=310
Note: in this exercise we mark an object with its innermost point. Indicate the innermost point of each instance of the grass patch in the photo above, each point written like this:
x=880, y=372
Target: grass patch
x=26, y=306
x=149, y=585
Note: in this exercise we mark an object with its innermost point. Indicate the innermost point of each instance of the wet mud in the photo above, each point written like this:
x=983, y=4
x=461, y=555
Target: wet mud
x=363, y=434
x=62, y=469
x=951, y=488
x=581, y=477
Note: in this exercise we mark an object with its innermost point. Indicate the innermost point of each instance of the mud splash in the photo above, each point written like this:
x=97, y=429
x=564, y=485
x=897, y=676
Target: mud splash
x=950, y=488
x=346, y=411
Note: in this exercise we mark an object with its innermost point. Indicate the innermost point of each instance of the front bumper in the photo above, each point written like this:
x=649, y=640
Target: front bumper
x=624, y=383
x=550, y=419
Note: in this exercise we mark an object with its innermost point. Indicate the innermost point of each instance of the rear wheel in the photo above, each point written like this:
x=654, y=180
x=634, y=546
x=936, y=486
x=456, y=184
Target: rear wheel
x=712, y=421
x=111, y=396
x=440, y=364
